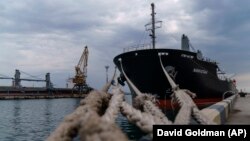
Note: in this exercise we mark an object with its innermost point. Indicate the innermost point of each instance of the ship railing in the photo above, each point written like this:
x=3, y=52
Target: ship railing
x=138, y=47
x=208, y=60
x=222, y=77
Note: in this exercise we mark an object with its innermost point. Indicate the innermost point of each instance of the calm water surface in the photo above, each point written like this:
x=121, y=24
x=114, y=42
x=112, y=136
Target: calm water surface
x=34, y=120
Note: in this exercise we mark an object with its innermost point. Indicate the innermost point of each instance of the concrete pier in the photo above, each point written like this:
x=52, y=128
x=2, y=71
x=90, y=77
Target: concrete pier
x=241, y=111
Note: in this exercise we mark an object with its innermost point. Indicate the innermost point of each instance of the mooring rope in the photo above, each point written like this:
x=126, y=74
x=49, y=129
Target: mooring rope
x=69, y=128
x=94, y=128
x=114, y=105
x=184, y=115
x=201, y=118
x=137, y=91
x=144, y=121
x=184, y=99
x=107, y=85
x=170, y=80
x=138, y=101
x=149, y=107
x=86, y=119
x=146, y=100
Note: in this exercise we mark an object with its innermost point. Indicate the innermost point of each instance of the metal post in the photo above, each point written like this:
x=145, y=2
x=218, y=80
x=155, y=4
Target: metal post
x=153, y=24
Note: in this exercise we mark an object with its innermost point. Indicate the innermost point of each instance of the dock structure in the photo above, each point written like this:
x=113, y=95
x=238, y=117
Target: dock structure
x=233, y=110
x=17, y=91
x=241, y=111
x=39, y=96
x=16, y=80
x=8, y=93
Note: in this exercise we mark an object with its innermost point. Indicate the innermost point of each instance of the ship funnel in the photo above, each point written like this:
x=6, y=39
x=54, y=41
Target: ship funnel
x=185, y=43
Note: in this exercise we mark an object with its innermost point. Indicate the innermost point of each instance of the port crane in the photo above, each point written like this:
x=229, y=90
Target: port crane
x=81, y=73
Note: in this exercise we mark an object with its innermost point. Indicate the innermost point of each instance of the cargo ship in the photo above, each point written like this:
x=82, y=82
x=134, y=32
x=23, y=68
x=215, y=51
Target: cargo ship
x=189, y=69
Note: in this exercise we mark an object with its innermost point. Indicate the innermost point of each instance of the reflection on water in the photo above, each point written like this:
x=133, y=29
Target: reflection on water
x=132, y=131
x=34, y=120
x=22, y=120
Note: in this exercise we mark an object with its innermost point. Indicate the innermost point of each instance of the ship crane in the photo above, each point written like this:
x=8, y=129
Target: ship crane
x=81, y=73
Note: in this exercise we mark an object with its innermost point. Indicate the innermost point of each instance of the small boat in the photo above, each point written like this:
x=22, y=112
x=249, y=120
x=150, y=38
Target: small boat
x=242, y=94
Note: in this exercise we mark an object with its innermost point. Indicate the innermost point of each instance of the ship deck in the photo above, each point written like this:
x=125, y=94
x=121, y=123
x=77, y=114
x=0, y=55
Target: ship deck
x=241, y=111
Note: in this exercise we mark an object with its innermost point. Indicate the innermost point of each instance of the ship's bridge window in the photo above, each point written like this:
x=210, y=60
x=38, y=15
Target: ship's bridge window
x=162, y=53
x=187, y=56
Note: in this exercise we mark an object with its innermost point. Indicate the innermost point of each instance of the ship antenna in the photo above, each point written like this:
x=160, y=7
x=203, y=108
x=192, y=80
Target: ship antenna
x=153, y=24
x=153, y=27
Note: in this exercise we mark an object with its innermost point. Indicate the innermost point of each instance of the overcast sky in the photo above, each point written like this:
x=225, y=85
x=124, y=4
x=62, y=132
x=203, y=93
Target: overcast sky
x=40, y=36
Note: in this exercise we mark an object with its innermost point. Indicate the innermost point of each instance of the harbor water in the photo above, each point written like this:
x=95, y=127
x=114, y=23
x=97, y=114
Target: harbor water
x=27, y=120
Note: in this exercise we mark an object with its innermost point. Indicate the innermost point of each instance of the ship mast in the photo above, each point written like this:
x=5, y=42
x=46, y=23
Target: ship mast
x=153, y=27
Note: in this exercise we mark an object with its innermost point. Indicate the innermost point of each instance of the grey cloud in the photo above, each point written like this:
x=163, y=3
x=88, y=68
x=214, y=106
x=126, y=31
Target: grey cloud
x=62, y=28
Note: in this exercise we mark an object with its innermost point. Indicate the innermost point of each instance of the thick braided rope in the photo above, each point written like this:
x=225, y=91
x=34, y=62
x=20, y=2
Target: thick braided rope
x=107, y=85
x=68, y=129
x=184, y=115
x=86, y=120
x=184, y=99
x=200, y=117
x=94, y=128
x=149, y=107
x=114, y=105
x=136, y=90
x=141, y=98
x=142, y=120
